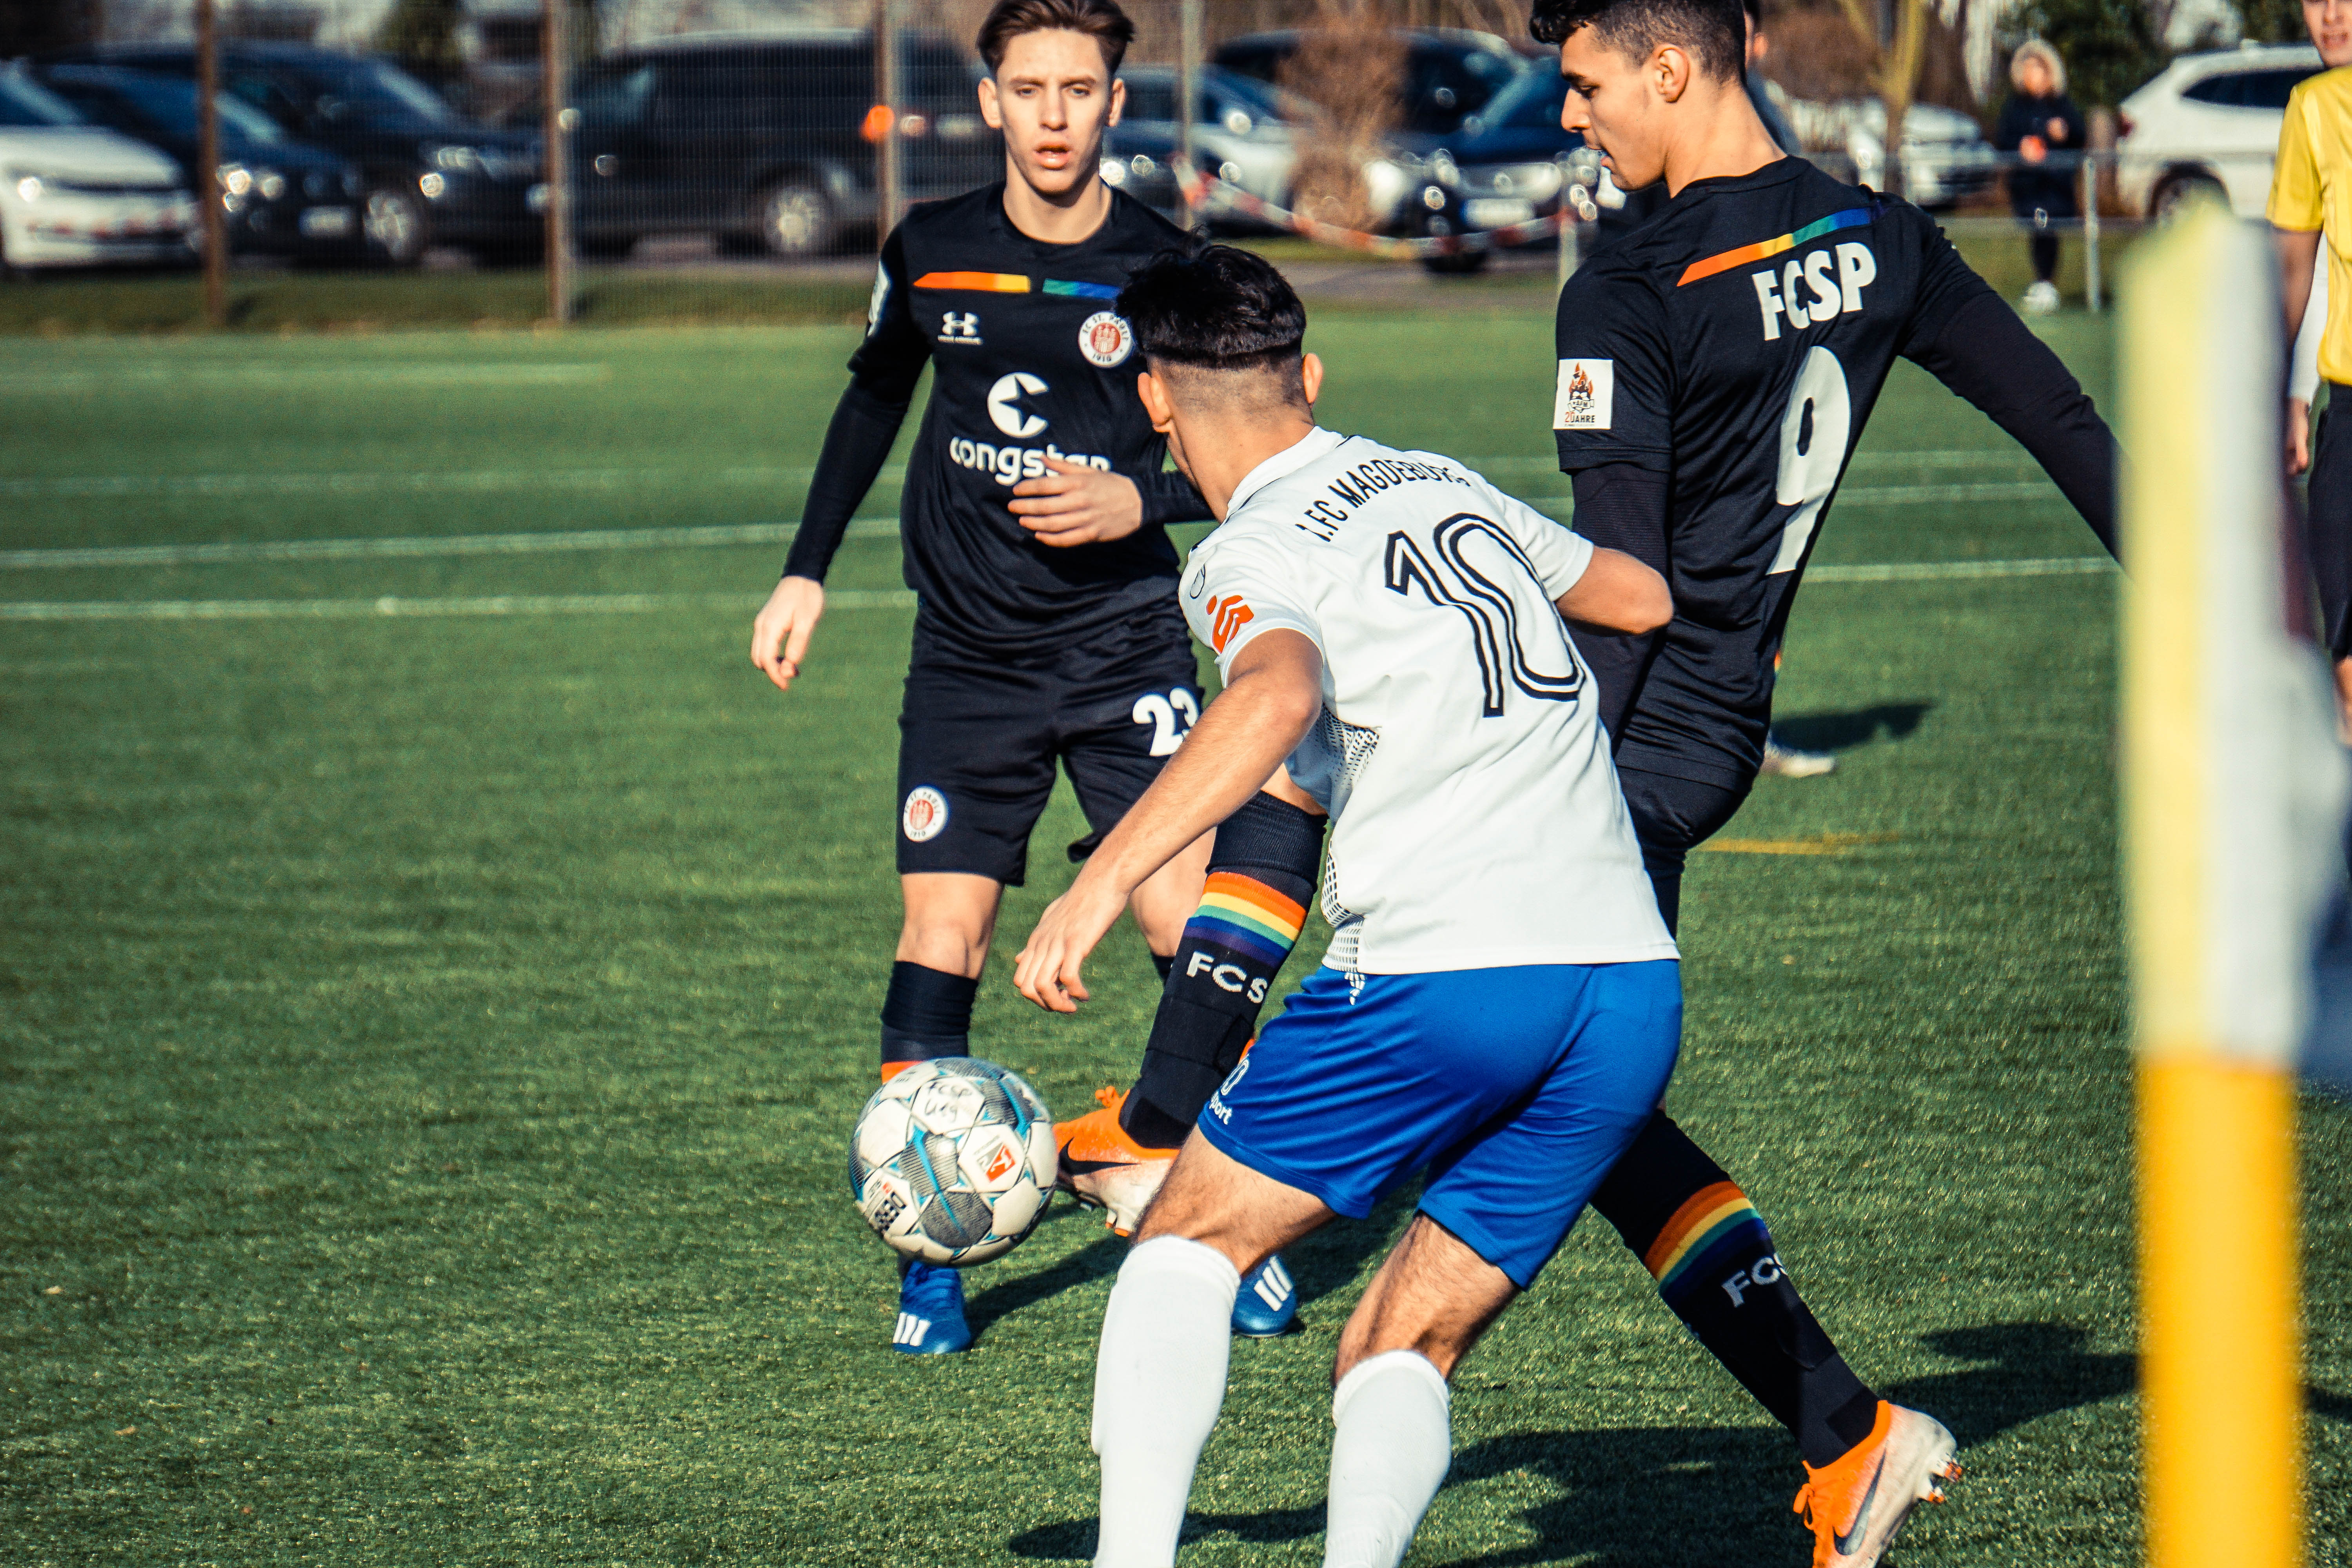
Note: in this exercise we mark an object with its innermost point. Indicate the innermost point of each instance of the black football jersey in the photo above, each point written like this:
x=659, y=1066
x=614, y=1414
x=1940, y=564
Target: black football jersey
x=1737, y=343
x=1029, y=361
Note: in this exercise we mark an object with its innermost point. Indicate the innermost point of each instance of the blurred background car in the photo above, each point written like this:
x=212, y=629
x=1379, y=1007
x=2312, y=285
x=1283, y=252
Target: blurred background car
x=2208, y=125
x=1448, y=75
x=1502, y=166
x=433, y=177
x=767, y=142
x=278, y=197
x=1244, y=131
x=77, y=194
x=1945, y=156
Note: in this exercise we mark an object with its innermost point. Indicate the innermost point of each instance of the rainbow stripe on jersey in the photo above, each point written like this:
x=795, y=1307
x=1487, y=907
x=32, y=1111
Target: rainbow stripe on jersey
x=1715, y=1225
x=1013, y=283
x=1853, y=217
x=1246, y=916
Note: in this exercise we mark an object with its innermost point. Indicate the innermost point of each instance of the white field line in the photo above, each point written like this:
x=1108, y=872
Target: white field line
x=848, y=599
x=368, y=609
x=362, y=372
x=426, y=544
x=381, y=483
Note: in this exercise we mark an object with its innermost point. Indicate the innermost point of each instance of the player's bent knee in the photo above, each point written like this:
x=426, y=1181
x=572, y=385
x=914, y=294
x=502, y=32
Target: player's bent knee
x=1215, y=1199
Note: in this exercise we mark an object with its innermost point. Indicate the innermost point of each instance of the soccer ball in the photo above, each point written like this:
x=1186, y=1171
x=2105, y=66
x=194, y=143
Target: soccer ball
x=953, y=1161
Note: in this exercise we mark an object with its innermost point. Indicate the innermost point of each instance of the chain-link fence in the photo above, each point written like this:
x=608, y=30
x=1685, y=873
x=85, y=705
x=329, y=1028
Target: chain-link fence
x=609, y=160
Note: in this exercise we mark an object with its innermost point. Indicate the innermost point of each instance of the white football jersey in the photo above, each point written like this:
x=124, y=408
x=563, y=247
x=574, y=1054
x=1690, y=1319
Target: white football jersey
x=1476, y=821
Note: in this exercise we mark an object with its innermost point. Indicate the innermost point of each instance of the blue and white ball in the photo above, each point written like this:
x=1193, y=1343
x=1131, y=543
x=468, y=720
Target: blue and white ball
x=953, y=1161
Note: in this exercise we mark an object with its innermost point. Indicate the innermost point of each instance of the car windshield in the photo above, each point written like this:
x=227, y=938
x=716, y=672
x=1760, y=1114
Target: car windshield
x=1263, y=100
x=24, y=102
x=1530, y=101
x=170, y=102
x=379, y=97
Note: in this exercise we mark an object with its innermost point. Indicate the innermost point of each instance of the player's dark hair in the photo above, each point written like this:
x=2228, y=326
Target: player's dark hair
x=1712, y=32
x=1100, y=20
x=1215, y=309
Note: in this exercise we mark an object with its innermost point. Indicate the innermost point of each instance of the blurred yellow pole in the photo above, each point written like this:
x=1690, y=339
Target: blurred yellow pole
x=2210, y=887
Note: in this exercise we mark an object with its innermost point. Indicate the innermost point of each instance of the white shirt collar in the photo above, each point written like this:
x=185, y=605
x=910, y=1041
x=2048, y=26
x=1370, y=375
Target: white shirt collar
x=1283, y=464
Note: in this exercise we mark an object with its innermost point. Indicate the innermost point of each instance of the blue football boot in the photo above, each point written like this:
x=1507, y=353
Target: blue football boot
x=930, y=1311
x=1268, y=1302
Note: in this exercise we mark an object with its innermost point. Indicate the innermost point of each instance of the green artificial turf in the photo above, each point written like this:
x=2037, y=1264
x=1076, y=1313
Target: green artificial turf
x=429, y=1046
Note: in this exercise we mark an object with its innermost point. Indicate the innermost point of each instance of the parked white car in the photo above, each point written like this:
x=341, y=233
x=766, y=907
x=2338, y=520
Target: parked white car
x=2208, y=126
x=73, y=194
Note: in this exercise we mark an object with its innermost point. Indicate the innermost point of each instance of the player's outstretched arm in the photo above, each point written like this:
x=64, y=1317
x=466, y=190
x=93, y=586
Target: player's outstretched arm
x=1273, y=693
x=1989, y=357
x=780, y=632
x=1618, y=594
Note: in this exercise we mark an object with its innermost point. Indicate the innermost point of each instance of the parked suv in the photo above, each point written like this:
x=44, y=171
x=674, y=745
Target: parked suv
x=767, y=142
x=433, y=177
x=279, y=197
x=2209, y=125
x=1450, y=74
x=1244, y=132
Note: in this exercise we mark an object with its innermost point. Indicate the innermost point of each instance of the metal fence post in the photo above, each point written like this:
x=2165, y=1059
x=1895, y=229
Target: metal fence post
x=2091, y=279
x=556, y=169
x=1189, y=51
x=208, y=180
x=893, y=92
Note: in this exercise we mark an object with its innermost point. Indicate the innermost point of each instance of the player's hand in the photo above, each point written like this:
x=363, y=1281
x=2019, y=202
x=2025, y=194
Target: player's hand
x=2298, y=435
x=1077, y=504
x=779, y=633
x=1046, y=971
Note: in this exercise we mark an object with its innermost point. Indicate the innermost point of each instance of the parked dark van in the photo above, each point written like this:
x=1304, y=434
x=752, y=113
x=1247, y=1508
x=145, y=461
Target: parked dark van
x=768, y=142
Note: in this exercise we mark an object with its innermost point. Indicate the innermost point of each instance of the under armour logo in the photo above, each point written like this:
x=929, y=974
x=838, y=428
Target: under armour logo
x=960, y=326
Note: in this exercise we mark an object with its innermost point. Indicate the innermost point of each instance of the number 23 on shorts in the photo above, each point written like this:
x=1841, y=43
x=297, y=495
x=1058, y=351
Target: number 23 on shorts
x=1162, y=710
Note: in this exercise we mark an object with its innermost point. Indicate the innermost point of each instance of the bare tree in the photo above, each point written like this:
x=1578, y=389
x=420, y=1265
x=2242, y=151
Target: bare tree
x=1351, y=67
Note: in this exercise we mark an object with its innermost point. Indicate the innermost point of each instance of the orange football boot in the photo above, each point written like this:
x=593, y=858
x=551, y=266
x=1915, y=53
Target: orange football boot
x=1104, y=1168
x=1856, y=1505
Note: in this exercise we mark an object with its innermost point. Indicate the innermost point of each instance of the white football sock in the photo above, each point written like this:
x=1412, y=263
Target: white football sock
x=1390, y=1454
x=1160, y=1378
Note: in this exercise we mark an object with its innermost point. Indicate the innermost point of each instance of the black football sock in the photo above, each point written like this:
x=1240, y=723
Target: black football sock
x=1165, y=964
x=926, y=1016
x=1708, y=1248
x=1261, y=875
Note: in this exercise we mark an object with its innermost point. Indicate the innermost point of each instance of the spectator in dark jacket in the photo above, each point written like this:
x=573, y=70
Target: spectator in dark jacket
x=2042, y=126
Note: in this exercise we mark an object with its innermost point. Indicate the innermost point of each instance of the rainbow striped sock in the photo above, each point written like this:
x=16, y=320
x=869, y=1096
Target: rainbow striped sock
x=1246, y=918
x=1715, y=1226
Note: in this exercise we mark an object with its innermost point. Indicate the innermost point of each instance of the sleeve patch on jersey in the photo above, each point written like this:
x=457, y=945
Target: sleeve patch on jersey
x=1587, y=390
x=1226, y=616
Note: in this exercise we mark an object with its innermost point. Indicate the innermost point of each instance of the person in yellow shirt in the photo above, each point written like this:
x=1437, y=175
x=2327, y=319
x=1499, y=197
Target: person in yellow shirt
x=2311, y=193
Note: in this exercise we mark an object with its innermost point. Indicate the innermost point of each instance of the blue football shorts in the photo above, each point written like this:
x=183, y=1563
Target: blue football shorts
x=1515, y=1089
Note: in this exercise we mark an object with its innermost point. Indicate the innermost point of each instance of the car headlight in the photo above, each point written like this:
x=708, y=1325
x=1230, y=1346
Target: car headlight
x=457, y=159
x=29, y=188
x=433, y=185
x=1536, y=182
x=271, y=183
x=1433, y=198
x=235, y=179
x=1114, y=172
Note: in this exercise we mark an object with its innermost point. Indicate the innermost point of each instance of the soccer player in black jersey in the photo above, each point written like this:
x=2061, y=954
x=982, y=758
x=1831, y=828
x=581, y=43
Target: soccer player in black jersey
x=1033, y=522
x=1715, y=369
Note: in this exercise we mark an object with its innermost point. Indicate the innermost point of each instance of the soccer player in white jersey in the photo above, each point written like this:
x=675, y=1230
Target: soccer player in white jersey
x=1501, y=1004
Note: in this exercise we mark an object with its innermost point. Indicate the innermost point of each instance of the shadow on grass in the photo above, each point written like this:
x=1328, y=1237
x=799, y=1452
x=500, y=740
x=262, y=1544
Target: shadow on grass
x=1329, y=1260
x=1639, y=1496
x=1859, y=727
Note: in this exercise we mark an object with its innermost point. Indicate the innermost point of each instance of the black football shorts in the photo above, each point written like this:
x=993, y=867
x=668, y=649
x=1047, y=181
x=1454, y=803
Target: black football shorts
x=979, y=739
